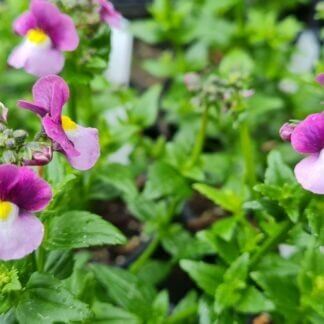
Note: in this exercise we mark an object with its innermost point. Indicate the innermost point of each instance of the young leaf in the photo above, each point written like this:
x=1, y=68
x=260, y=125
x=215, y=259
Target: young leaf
x=207, y=276
x=78, y=229
x=45, y=300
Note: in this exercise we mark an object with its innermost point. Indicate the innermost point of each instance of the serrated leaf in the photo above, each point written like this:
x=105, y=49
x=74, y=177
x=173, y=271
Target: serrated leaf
x=207, y=276
x=45, y=300
x=79, y=229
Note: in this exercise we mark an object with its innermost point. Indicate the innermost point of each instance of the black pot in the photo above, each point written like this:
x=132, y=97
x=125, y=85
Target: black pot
x=132, y=8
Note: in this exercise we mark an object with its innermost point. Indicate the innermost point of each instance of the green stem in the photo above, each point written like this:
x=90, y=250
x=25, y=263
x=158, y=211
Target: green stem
x=271, y=242
x=145, y=255
x=248, y=155
x=200, y=139
x=40, y=259
x=73, y=111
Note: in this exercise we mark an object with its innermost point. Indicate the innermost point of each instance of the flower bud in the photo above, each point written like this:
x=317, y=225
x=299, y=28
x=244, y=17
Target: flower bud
x=10, y=143
x=286, y=130
x=192, y=81
x=9, y=157
x=42, y=154
x=20, y=135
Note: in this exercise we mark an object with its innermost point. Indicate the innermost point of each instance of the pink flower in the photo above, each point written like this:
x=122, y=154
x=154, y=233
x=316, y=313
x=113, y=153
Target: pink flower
x=47, y=33
x=109, y=14
x=79, y=144
x=286, y=130
x=308, y=138
x=320, y=79
x=22, y=193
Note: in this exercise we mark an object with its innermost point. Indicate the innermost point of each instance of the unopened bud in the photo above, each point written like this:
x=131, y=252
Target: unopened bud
x=20, y=135
x=9, y=157
x=41, y=155
x=192, y=81
x=7, y=132
x=10, y=143
x=286, y=130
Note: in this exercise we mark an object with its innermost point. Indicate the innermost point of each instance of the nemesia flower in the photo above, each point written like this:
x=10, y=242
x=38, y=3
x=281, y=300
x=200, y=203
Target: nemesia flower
x=320, y=79
x=22, y=193
x=47, y=33
x=308, y=138
x=109, y=14
x=79, y=144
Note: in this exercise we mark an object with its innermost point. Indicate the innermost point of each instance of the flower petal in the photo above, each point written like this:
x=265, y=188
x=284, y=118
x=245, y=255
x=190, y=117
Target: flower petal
x=21, y=238
x=310, y=173
x=24, y=23
x=51, y=92
x=86, y=142
x=308, y=136
x=30, y=192
x=109, y=14
x=45, y=61
x=32, y=107
x=8, y=179
x=47, y=14
x=55, y=132
x=64, y=36
x=19, y=56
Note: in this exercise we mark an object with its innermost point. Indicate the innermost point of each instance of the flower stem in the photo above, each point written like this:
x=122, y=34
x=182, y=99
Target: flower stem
x=40, y=259
x=145, y=255
x=271, y=242
x=248, y=155
x=200, y=139
x=73, y=111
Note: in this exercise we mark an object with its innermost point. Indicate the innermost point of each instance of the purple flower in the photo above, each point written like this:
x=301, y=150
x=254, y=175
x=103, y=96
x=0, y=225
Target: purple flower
x=109, y=14
x=22, y=193
x=47, y=33
x=79, y=144
x=320, y=79
x=308, y=138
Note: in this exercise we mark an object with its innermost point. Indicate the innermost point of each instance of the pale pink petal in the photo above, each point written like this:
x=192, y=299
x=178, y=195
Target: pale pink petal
x=45, y=61
x=19, y=56
x=86, y=142
x=310, y=173
x=21, y=237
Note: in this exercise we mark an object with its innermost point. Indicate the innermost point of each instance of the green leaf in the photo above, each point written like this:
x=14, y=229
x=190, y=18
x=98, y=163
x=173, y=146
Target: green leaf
x=225, y=198
x=229, y=292
x=45, y=300
x=164, y=180
x=253, y=301
x=78, y=229
x=278, y=173
x=206, y=276
x=126, y=290
x=107, y=313
x=146, y=108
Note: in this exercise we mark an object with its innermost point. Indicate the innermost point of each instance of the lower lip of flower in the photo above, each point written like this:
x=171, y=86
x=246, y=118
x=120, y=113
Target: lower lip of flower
x=37, y=36
x=6, y=210
x=68, y=124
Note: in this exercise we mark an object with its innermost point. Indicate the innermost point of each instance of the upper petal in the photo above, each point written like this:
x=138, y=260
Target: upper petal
x=8, y=179
x=308, y=136
x=64, y=35
x=86, y=142
x=30, y=192
x=310, y=173
x=32, y=107
x=24, y=23
x=51, y=92
x=46, y=14
x=21, y=238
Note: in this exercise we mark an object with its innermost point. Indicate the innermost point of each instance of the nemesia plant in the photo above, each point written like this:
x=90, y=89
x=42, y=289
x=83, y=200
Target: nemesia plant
x=47, y=34
x=79, y=144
